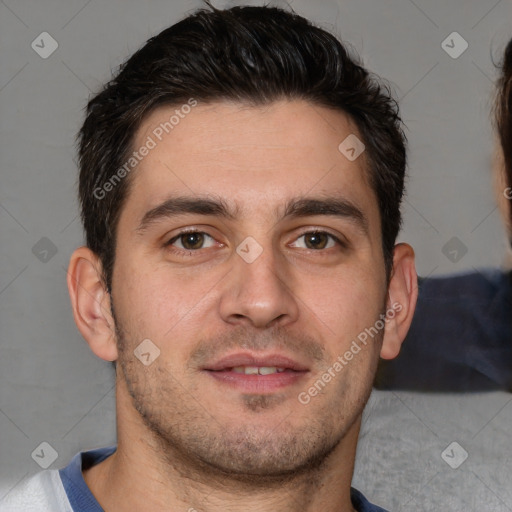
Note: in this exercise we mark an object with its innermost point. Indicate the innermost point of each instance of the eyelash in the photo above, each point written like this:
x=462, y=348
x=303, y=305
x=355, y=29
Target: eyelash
x=190, y=252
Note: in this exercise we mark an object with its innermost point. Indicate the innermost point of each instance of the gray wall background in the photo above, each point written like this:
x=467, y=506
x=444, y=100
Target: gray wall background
x=52, y=389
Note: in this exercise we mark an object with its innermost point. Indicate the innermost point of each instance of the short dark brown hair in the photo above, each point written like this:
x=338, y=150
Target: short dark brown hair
x=253, y=55
x=503, y=116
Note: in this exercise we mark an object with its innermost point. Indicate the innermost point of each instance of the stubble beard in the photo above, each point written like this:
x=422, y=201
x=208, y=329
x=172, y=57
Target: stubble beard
x=190, y=440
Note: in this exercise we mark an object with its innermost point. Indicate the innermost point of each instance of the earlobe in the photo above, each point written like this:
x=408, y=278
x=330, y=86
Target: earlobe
x=90, y=302
x=402, y=297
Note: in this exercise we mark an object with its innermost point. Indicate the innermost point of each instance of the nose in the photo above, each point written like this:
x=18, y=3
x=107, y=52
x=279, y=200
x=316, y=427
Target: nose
x=259, y=293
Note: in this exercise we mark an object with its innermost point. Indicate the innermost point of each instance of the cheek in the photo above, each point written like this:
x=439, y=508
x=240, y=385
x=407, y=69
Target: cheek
x=159, y=303
x=347, y=301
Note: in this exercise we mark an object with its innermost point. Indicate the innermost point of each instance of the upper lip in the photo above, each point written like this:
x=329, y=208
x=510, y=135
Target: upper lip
x=260, y=360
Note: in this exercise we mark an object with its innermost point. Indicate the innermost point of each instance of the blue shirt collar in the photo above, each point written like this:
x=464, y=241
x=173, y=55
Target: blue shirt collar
x=82, y=499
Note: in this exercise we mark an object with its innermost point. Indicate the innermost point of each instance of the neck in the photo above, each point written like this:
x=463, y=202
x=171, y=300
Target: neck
x=145, y=474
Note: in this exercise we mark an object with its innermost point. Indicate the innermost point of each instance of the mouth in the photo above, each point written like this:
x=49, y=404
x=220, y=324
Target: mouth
x=252, y=373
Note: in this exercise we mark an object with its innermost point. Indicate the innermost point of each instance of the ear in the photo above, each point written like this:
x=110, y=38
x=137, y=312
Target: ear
x=402, y=297
x=90, y=302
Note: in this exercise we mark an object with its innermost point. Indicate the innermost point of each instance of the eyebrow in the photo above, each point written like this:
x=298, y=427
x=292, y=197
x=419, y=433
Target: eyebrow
x=184, y=205
x=295, y=208
x=331, y=206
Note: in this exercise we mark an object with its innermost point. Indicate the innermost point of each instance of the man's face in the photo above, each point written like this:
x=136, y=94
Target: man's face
x=256, y=306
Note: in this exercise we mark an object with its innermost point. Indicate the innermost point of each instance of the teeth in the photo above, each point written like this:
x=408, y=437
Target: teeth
x=257, y=370
x=267, y=370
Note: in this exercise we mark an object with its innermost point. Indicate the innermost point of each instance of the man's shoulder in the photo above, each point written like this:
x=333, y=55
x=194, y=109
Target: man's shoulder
x=56, y=490
x=42, y=492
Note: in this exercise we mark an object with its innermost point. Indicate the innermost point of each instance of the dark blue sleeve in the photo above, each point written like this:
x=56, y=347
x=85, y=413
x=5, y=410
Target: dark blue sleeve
x=361, y=504
x=460, y=338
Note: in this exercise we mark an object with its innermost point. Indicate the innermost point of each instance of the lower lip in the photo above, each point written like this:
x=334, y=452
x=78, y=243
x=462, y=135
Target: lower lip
x=258, y=383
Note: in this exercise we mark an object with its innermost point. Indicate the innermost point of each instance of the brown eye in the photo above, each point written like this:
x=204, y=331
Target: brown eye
x=191, y=241
x=316, y=240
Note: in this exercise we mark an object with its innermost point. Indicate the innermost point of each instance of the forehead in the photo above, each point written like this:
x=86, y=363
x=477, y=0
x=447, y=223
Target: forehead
x=255, y=157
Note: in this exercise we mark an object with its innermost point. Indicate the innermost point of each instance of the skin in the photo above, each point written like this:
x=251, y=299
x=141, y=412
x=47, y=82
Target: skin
x=185, y=439
x=501, y=190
